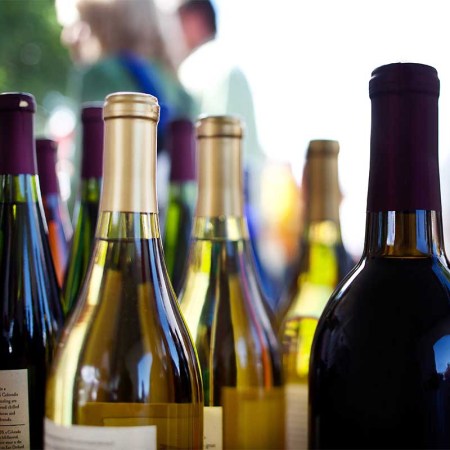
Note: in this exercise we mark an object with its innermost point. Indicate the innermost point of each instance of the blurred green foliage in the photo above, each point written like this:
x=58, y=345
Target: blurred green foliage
x=32, y=58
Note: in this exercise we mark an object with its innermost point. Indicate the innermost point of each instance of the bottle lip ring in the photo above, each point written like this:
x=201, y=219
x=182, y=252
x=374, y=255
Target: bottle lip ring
x=92, y=112
x=17, y=101
x=46, y=144
x=208, y=126
x=404, y=77
x=131, y=104
x=326, y=147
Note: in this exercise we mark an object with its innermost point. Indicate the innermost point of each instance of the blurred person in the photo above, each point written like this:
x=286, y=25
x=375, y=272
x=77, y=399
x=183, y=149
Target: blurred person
x=212, y=76
x=117, y=45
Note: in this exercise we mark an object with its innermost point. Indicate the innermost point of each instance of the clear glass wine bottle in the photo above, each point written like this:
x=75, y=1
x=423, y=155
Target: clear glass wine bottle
x=222, y=302
x=126, y=371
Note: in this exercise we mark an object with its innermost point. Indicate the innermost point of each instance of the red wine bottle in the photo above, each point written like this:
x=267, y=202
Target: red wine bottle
x=56, y=212
x=86, y=206
x=30, y=302
x=182, y=196
x=379, y=365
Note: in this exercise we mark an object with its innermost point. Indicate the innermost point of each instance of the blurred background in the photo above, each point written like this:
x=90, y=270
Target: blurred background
x=307, y=65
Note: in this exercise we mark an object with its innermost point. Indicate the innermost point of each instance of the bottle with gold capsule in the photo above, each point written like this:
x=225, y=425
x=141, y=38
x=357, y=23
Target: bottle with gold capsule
x=222, y=303
x=126, y=374
x=322, y=263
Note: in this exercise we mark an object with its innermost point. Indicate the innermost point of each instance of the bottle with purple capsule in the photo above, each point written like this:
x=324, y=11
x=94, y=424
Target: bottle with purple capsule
x=56, y=212
x=30, y=302
x=379, y=364
x=86, y=206
x=182, y=196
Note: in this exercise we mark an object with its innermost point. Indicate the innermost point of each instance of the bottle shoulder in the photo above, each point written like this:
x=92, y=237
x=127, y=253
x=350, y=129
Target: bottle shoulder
x=128, y=321
x=226, y=264
x=129, y=276
x=391, y=292
x=221, y=293
x=30, y=294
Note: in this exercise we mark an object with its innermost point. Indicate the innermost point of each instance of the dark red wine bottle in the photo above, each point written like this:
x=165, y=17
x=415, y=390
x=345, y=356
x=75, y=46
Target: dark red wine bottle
x=56, y=212
x=30, y=301
x=379, y=375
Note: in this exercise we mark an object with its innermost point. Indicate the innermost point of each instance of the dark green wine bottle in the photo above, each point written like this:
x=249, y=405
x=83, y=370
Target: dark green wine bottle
x=86, y=207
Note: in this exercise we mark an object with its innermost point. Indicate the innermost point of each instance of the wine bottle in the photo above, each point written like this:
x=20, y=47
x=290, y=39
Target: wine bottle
x=86, y=207
x=323, y=262
x=182, y=195
x=31, y=306
x=221, y=301
x=126, y=372
x=55, y=210
x=379, y=362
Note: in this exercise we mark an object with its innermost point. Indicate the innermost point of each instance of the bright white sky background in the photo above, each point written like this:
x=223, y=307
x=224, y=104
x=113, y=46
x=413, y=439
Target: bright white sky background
x=309, y=64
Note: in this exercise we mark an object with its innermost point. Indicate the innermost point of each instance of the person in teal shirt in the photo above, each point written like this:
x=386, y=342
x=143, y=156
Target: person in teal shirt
x=117, y=45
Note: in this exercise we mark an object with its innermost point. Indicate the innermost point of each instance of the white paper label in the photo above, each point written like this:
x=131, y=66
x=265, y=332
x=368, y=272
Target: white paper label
x=14, y=414
x=213, y=439
x=296, y=416
x=80, y=437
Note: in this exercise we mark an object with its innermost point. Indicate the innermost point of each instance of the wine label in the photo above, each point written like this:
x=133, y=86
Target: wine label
x=81, y=437
x=296, y=416
x=14, y=414
x=212, y=425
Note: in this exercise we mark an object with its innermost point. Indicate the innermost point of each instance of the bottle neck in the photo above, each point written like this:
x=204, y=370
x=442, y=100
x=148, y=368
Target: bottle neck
x=220, y=228
x=48, y=178
x=90, y=189
x=92, y=145
x=321, y=189
x=404, y=168
x=129, y=177
x=127, y=226
x=220, y=183
x=17, y=144
x=183, y=190
x=19, y=189
x=404, y=234
x=404, y=199
x=323, y=232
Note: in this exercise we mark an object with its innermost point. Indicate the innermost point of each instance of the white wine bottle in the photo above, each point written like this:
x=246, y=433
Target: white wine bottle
x=126, y=373
x=322, y=264
x=222, y=302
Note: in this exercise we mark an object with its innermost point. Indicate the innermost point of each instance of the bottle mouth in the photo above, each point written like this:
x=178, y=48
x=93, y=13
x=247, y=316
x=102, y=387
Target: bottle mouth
x=323, y=147
x=131, y=104
x=92, y=112
x=404, y=77
x=219, y=126
x=17, y=101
